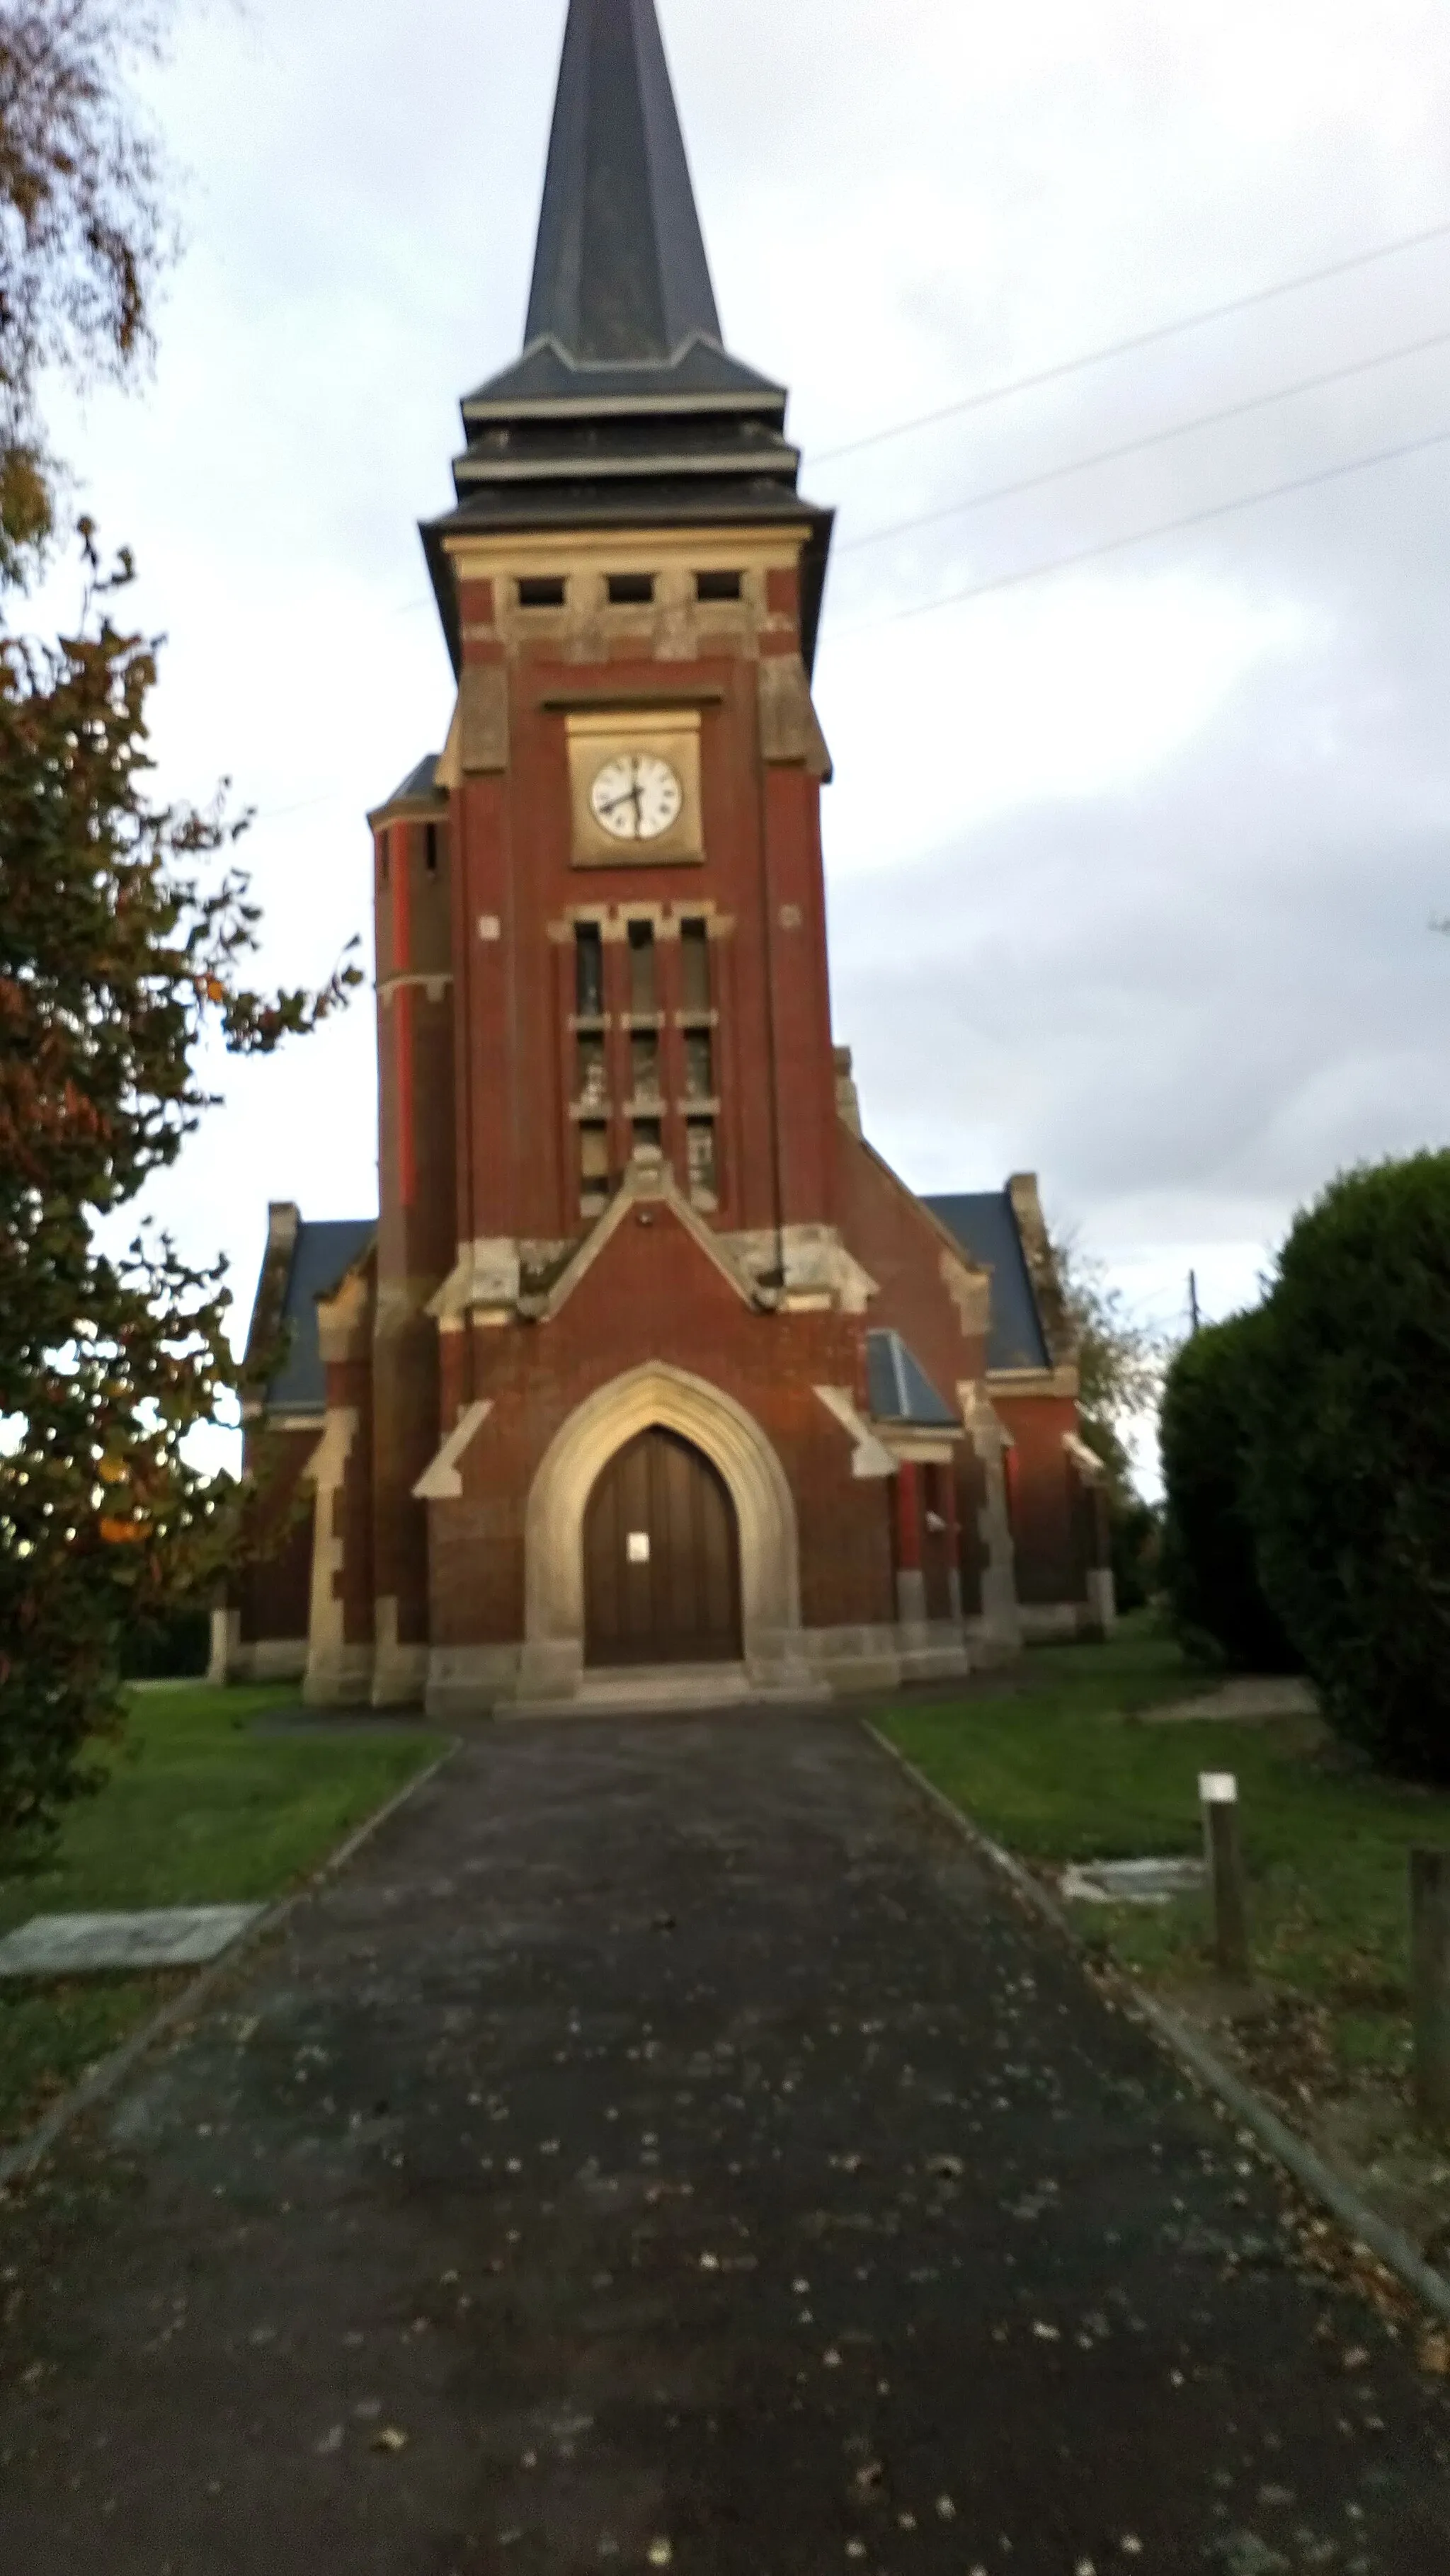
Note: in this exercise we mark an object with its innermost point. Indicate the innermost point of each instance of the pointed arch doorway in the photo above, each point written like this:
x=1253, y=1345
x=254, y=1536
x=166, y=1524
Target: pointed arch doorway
x=661, y=1557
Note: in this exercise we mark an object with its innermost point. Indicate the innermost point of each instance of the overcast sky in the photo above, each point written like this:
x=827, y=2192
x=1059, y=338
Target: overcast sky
x=1131, y=866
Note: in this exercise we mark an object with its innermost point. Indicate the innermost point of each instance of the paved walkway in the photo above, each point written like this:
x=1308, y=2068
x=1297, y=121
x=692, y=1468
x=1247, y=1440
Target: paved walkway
x=667, y=2146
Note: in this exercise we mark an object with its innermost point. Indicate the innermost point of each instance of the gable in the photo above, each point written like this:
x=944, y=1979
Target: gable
x=649, y=1244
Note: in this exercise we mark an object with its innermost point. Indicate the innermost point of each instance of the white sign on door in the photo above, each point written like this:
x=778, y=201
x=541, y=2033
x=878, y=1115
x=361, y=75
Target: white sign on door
x=637, y=1547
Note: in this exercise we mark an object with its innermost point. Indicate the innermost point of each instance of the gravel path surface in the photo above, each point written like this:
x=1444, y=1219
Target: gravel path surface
x=668, y=2146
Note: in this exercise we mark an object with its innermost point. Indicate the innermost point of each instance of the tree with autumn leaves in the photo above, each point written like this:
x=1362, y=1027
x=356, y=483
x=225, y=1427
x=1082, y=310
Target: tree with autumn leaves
x=126, y=928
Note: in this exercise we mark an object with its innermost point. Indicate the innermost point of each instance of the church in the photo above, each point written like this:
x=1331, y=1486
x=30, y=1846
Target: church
x=650, y=1383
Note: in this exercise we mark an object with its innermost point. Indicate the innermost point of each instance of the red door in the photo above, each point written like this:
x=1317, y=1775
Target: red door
x=661, y=1559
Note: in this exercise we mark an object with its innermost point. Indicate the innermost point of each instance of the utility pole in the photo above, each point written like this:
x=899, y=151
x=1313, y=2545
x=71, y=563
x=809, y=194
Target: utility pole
x=1193, y=1314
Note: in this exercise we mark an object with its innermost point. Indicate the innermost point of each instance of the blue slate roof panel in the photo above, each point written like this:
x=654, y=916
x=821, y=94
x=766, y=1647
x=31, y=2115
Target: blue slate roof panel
x=697, y=372
x=899, y=1389
x=620, y=271
x=420, y=782
x=323, y=1252
x=985, y=1225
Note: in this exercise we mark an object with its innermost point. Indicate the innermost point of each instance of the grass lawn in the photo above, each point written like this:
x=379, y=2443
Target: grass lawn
x=1066, y=1770
x=196, y=1810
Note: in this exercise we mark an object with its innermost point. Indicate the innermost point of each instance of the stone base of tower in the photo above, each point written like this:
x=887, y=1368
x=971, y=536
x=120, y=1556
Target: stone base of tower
x=816, y=1665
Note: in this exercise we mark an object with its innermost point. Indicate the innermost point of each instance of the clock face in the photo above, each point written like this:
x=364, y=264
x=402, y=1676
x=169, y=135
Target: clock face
x=636, y=796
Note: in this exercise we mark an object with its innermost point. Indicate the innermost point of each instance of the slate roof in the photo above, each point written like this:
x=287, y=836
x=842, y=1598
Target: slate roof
x=699, y=374
x=320, y=1256
x=625, y=408
x=620, y=269
x=898, y=1388
x=985, y=1225
x=420, y=782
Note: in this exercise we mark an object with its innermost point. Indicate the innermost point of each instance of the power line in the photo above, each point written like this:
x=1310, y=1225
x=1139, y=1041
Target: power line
x=1124, y=348
x=1138, y=446
x=1144, y=536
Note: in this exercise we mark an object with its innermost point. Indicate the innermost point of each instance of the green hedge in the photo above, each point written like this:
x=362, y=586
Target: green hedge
x=1350, y=1472
x=1210, y=1572
x=176, y=1647
x=1135, y=1536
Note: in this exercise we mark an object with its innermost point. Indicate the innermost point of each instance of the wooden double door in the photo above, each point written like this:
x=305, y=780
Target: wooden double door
x=661, y=1558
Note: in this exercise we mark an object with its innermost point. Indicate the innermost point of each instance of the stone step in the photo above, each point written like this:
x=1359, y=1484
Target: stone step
x=642, y=1690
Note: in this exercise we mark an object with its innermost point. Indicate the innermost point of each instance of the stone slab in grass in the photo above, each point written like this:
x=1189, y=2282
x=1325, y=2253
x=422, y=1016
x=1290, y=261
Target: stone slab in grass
x=1248, y=1700
x=78, y=1945
x=1132, y=1882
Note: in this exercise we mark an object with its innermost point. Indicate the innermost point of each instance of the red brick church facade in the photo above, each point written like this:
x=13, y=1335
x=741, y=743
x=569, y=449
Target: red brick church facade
x=650, y=1378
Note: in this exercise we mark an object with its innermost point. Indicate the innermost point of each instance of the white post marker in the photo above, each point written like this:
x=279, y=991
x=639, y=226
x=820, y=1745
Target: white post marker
x=1218, y=1793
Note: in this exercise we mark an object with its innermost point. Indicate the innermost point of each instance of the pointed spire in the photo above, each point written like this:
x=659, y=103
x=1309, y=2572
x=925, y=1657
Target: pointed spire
x=620, y=273
x=625, y=409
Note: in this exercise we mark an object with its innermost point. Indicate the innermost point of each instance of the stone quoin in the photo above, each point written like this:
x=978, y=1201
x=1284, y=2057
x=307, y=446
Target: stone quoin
x=649, y=1365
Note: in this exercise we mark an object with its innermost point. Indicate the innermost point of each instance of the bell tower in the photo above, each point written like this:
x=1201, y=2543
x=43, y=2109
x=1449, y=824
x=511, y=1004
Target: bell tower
x=630, y=584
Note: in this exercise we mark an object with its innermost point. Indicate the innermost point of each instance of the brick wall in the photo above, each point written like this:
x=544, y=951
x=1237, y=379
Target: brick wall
x=1045, y=1524
x=273, y=1588
x=654, y=1296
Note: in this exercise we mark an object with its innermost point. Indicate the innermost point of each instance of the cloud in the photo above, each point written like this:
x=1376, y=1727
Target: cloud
x=1130, y=866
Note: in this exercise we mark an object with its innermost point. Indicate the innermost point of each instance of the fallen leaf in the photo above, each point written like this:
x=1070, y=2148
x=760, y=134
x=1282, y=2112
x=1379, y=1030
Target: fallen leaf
x=389, y=2438
x=1435, y=2354
x=660, y=2553
x=331, y=2441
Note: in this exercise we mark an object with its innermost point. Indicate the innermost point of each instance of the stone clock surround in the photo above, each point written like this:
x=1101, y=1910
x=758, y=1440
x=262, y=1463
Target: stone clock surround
x=597, y=735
